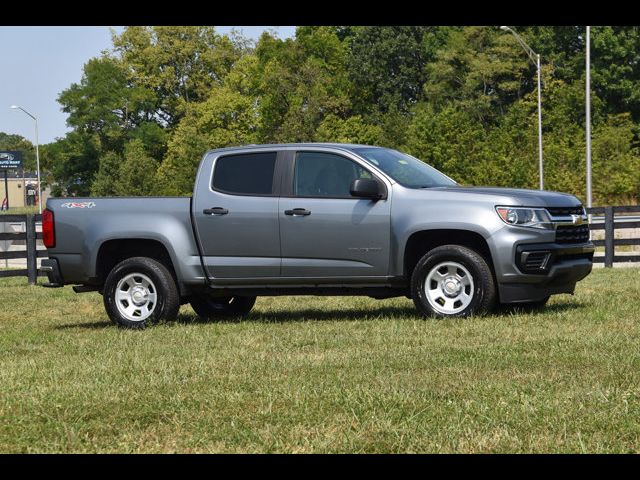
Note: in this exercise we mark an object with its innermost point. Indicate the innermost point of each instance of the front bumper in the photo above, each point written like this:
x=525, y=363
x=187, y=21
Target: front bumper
x=545, y=269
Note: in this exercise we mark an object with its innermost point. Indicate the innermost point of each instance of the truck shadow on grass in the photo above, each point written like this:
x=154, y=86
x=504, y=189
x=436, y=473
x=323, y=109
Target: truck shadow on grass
x=386, y=313
x=340, y=315
x=310, y=314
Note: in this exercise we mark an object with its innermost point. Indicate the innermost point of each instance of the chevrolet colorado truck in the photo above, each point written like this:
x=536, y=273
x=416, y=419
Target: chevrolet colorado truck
x=317, y=219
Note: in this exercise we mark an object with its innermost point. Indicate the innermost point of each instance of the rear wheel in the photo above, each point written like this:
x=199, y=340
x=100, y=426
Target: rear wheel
x=140, y=291
x=211, y=308
x=452, y=281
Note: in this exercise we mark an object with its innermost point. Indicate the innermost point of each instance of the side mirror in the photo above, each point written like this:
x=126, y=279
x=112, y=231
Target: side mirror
x=366, y=188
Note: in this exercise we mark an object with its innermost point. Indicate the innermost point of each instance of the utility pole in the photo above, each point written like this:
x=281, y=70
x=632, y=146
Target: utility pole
x=535, y=59
x=17, y=107
x=588, y=117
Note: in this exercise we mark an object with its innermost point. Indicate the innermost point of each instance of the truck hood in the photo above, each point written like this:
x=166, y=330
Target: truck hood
x=519, y=196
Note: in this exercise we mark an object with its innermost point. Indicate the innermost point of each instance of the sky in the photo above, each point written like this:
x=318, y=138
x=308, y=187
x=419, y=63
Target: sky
x=37, y=63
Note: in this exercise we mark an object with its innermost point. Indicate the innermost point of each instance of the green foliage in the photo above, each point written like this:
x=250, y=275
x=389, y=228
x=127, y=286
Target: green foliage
x=480, y=70
x=71, y=163
x=302, y=81
x=616, y=70
x=461, y=98
x=107, y=179
x=226, y=118
x=616, y=158
x=350, y=130
x=178, y=64
x=137, y=171
x=387, y=65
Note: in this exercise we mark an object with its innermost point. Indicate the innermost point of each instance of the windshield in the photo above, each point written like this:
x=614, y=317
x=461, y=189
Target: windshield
x=408, y=171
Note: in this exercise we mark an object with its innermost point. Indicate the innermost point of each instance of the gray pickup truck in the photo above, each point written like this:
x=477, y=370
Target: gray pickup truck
x=317, y=219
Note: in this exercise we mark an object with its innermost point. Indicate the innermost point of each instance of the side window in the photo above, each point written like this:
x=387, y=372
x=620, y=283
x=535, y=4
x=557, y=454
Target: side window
x=320, y=174
x=245, y=174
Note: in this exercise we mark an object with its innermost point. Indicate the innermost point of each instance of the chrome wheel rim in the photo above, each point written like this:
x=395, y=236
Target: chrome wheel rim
x=449, y=288
x=136, y=297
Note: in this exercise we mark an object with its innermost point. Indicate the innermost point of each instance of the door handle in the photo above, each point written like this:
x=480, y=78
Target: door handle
x=215, y=211
x=297, y=212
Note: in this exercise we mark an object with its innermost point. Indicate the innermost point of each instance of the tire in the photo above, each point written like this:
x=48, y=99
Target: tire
x=460, y=283
x=131, y=288
x=212, y=308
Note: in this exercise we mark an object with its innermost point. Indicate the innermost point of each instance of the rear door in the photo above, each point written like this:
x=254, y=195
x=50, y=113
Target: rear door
x=325, y=232
x=236, y=214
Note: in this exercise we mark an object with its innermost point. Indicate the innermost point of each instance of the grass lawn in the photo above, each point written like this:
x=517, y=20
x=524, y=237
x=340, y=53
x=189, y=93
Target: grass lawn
x=314, y=374
x=20, y=210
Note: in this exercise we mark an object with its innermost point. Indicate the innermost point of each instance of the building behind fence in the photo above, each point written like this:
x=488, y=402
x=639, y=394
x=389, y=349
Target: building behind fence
x=31, y=253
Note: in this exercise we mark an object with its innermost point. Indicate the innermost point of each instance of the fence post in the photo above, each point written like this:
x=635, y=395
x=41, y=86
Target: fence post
x=32, y=259
x=608, y=236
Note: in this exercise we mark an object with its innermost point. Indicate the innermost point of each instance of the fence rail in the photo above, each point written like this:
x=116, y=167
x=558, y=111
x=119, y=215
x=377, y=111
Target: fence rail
x=610, y=225
x=31, y=253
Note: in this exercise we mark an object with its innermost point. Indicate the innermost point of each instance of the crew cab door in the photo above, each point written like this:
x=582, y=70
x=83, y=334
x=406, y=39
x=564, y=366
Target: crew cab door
x=324, y=231
x=235, y=211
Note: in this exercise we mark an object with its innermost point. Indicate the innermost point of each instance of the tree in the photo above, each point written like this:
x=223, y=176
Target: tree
x=350, y=130
x=72, y=162
x=481, y=71
x=225, y=119
x=461, y=98
x=616, y=161
x=178, y=64
x=387, y=65
x=107, y=103
x=616, y=70
x=107, y=180
x=136, y=174
x=301, y=81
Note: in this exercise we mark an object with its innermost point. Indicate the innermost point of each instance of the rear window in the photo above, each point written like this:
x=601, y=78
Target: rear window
x=245, y=174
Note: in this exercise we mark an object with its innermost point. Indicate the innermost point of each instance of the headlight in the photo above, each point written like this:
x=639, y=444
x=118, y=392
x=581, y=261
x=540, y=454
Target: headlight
x=525, y=217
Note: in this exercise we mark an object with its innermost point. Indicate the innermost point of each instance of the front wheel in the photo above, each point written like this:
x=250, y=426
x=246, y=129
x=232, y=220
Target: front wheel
x=210, y=308
x=140, y=291
x=452, y=281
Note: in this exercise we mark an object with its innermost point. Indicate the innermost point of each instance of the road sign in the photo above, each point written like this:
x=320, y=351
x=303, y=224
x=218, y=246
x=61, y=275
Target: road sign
x=10, y=159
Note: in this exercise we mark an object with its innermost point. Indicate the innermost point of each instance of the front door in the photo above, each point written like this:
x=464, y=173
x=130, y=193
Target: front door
x=236, y=216
x=325, y=232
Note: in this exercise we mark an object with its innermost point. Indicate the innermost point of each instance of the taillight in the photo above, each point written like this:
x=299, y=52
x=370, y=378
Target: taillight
x=48, y=230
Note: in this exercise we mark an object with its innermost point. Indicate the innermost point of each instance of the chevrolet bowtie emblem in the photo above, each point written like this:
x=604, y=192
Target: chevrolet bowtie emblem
x=577, y=219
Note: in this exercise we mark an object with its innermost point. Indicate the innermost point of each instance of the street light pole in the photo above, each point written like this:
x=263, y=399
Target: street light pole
x=16, y=107
x=588, y=116
x=535, y=58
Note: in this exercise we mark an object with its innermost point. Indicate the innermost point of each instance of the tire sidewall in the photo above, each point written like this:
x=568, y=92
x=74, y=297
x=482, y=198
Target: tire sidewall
x=484, y=290
x=164, y=285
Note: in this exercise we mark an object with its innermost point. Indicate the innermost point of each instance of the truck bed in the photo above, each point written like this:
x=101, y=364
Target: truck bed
x=84, y=225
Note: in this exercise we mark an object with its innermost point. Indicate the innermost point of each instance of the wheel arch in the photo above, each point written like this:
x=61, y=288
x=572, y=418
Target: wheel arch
x=113, y=251
x=422, y=241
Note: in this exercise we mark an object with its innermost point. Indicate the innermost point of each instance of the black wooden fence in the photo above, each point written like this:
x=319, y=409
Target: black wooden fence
x=610, y=225
x=30, y=253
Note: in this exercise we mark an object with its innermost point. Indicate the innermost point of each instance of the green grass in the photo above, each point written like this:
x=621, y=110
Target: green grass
x=20, y=210
x=314, y=374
